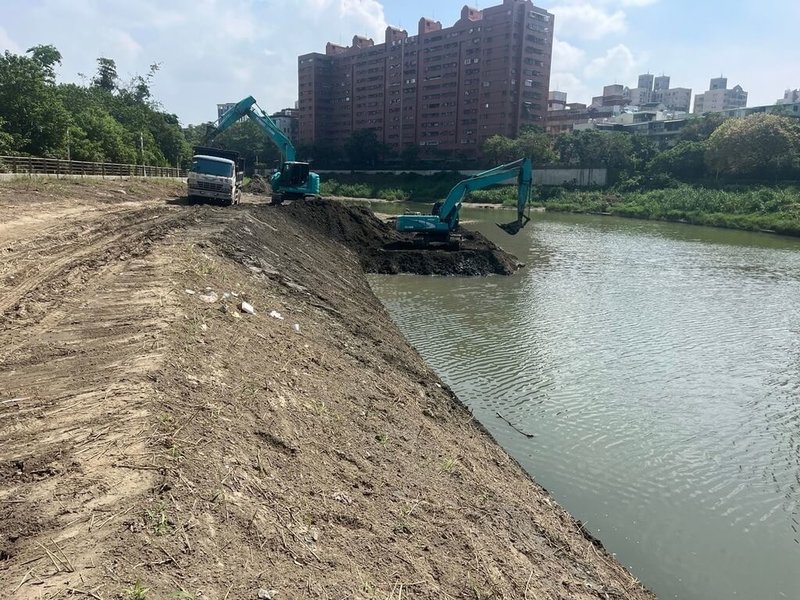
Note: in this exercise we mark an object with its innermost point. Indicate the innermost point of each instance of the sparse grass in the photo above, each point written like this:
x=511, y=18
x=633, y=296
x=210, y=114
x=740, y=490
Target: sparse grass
x=158, y=521
x=383, y=439
x=319, y=408
x=175, y=453
x=449, y=465
x=137, y=591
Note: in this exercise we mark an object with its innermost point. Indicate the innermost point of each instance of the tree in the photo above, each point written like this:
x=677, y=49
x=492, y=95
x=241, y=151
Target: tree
x=6, y=141
x=364, y=149
x=535, y=144
x=34, y=116
x=531, y=143
x=47, y=57
x=106, y=78
x=760, y=145
x=700, y=128
x=498, y=149
x=684, y=161
x=251, y=142
x=409, y=156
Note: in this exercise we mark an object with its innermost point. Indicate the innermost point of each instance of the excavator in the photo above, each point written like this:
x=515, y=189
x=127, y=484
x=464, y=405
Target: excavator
x=294, y=179
x=440, y=226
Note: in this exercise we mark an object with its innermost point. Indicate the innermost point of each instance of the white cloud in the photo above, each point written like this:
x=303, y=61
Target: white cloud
x=583, y=20
x=6, y=43
x=577, y=90
x=610, y=3
x=636, y=2
x=566, y=56
x=617, y=65
x=210, y=50
x=119, y=44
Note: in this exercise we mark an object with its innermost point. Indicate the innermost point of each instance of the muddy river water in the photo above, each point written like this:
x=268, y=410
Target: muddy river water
x=656, y=369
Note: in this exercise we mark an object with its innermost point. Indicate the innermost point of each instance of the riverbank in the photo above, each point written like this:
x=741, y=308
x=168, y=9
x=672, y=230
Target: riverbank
x=210, y=402
x=775, y=210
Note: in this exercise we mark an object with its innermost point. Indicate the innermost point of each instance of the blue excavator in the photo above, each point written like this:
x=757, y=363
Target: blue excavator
x=441, y=226
x=294, y=179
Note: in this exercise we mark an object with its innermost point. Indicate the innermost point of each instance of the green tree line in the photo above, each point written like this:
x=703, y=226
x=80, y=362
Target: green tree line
x=107, y=119
x=760, y=147
x=104, y=119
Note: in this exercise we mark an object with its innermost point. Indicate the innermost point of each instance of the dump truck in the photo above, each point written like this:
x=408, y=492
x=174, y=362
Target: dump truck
x=215, y=174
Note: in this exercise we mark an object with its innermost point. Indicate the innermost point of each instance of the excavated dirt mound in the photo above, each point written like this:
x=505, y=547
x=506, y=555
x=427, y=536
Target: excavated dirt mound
x=257, y=185
x=381, y=249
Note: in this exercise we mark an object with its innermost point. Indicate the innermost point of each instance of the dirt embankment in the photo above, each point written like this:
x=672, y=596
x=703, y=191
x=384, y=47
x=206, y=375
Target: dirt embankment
x=158, y=442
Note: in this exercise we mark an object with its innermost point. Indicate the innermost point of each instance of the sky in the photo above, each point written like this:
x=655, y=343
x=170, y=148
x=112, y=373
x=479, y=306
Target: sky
x=214, y=51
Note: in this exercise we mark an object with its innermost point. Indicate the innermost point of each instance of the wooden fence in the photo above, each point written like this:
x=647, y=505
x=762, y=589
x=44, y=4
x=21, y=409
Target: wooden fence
x=30, y=165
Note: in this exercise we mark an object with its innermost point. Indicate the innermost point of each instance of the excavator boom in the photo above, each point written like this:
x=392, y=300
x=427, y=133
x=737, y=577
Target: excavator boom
x=446, y=214
x=294, y=178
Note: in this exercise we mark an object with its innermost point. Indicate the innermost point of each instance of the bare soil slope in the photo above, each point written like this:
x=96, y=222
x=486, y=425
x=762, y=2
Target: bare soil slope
x=158, y=442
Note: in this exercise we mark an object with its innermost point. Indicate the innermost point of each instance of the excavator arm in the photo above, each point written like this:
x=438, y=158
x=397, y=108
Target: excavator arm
x=245, y=108
x=294, y=179
x=446, y=217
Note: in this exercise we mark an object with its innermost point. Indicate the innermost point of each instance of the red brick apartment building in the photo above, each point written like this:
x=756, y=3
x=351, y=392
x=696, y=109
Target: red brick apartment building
x=448, y=88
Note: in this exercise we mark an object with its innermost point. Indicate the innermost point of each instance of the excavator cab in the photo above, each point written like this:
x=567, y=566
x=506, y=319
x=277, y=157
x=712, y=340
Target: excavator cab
x=294, y=174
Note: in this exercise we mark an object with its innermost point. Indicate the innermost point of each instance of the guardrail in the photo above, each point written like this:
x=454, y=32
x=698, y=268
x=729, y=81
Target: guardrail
x=31, y=165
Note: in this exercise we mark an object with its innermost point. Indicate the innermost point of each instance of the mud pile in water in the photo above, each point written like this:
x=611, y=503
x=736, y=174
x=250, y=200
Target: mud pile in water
x=381, y=249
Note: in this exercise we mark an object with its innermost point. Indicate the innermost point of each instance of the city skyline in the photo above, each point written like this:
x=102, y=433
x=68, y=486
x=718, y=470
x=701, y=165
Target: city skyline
x=244, y=49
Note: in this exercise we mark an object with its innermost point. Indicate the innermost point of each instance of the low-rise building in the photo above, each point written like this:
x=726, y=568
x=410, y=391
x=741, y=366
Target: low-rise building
x=287, y=122
x=576, y=114
x=789, y=109
x=674, y=99
x=663, y=127
x=789, y=97
x=223, y=108
x=719, y=98
x=556, y=100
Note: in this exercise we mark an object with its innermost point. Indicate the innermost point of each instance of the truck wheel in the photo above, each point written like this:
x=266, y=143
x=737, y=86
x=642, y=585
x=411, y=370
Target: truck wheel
x=276, y=200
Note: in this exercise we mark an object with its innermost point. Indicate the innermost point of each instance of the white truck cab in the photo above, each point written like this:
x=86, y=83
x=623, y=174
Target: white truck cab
x=214, y=177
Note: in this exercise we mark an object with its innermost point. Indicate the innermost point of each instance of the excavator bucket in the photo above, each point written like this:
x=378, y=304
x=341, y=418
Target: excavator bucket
x=513, y=227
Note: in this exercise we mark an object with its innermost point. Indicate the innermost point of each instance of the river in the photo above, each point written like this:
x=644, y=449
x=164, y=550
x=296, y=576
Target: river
x=657, y=367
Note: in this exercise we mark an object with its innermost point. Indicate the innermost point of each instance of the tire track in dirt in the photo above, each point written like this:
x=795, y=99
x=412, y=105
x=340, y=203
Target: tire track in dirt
x=80, y=342
x=82, y=251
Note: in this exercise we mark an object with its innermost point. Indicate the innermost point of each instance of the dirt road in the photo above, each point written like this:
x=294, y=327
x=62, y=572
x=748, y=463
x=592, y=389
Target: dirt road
x=158, y=442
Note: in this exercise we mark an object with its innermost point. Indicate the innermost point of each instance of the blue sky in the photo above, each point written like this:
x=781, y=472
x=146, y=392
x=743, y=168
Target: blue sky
x=223, y=50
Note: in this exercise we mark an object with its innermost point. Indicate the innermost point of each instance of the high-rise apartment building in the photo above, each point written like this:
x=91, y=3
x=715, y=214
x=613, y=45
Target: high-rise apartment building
x=448, y=88
x=719, y=97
